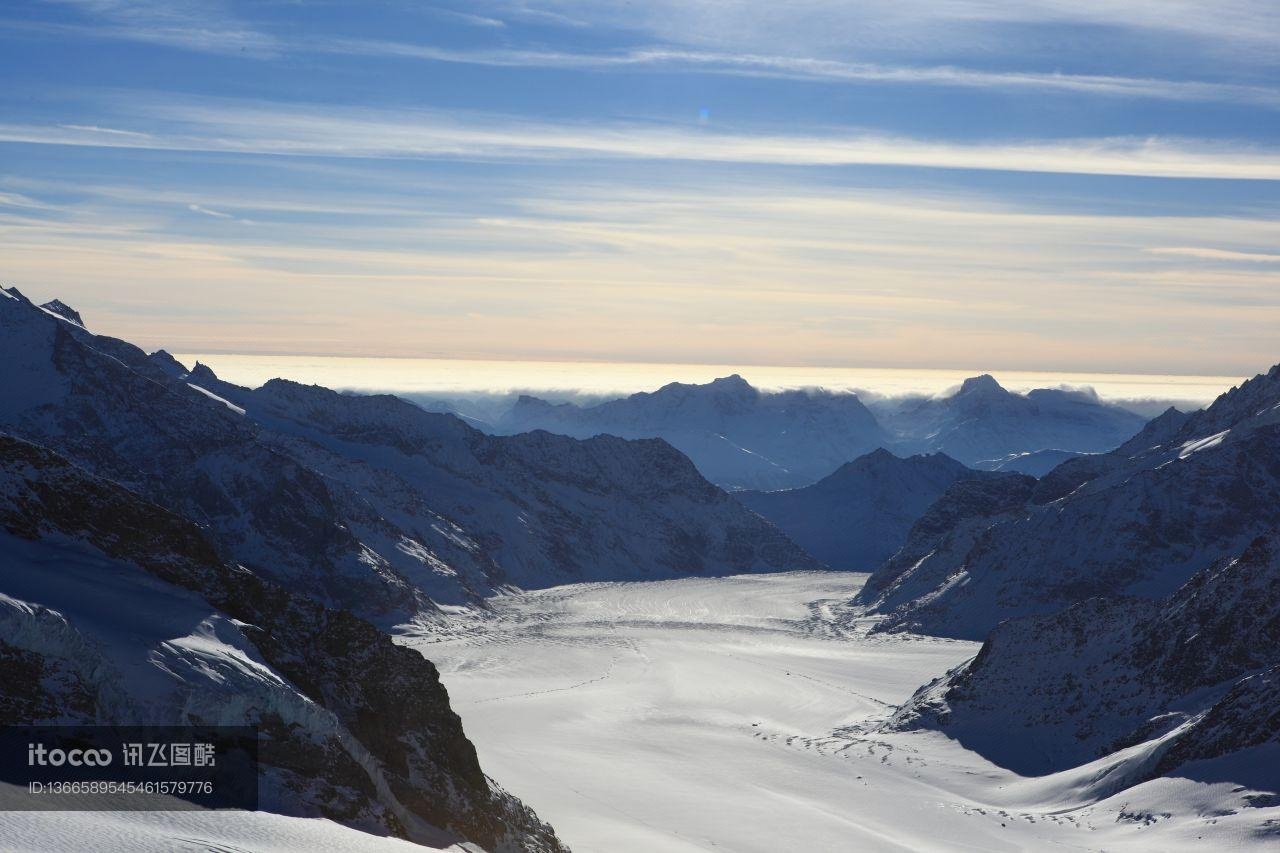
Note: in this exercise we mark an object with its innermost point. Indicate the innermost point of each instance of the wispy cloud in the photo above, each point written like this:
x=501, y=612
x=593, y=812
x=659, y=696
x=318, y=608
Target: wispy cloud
x=726, y=48
x=925, y=278
x=1211, y=254
x=667, y=60
x=466, y=17
x=1232, y=29
x=207, y=211
x=813, y=70
x=18, y=200
x=285, y=129
x=208, y=27
x=93, y=128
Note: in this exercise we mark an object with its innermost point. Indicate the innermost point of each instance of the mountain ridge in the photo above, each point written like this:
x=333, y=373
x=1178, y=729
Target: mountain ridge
x=1140, y=520
x=982, y=421
x=746, y=439
x=858, y=516
x=264, y=470
x=1196, y=675
x=737, y=435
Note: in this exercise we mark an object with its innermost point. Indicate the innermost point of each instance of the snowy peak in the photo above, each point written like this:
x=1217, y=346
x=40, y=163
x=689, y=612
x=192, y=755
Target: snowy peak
x=1255, y=401
x=985, y=384
x=56, y=307
x=883, y=459
x=732, y=384
x=529, y=403
x=1159, y=431
x=727, y=396
x=379, y=419
x=202, y=373
x=1167, y=422
x=1254, y=404
x=983, y=423
x=878, y=457
x=170, y=365
x=65, y=311
x=885, y=464
x=1170, y=414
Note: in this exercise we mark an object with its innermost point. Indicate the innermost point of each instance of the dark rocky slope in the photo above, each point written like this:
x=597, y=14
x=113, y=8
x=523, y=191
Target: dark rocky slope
x=355, y=728
x=1197, y=674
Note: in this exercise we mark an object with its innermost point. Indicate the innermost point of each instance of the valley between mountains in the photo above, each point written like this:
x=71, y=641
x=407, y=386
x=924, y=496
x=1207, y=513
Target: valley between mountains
x=748, y=714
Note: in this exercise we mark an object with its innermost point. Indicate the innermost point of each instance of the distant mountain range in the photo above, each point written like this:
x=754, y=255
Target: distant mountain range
x=746, y=439
x=982, y=424
x=737, y=435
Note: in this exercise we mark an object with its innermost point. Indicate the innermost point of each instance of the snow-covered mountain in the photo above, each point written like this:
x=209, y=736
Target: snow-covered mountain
x=113, y=609
x=982, y=424
x=547, y=508
x=1177, y=684
x=368, y=502
x=738, y=436
x=1139, y=521
x=1137, y=596
x=953, y=524
x=859, y=516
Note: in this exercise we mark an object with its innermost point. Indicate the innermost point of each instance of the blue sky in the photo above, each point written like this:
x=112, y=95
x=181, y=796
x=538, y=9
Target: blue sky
x=1034, y=185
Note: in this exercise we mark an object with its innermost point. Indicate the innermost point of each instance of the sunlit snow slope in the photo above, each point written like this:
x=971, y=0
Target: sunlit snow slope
x=193, y=832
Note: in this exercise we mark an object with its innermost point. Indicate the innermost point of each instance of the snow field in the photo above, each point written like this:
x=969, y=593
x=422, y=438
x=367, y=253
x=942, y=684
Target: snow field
x=730, y=714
